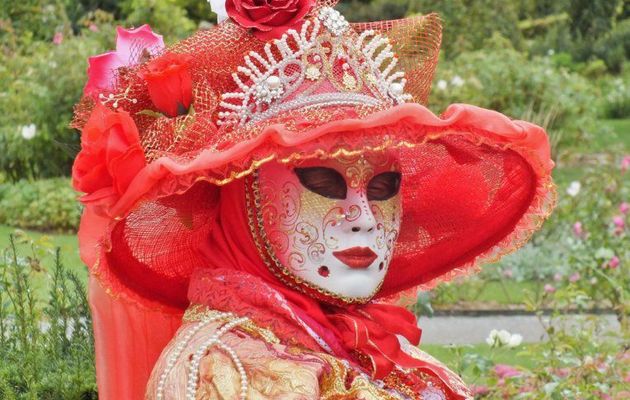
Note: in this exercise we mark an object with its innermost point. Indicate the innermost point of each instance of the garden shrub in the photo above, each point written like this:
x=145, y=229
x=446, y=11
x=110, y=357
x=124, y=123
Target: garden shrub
x=46, y=342
x=614, y=47
x=165, y=17
x=467, y=24
x=616, y=98
x=503, y=79
x=45, y=205
x=39, y=90
x=24, y=22
x=365, y=10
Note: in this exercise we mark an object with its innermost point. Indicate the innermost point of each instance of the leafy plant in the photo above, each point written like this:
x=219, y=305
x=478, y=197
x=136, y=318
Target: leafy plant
x=501, y=78
x=45, y=205
x=38, y=91
x=46, y=344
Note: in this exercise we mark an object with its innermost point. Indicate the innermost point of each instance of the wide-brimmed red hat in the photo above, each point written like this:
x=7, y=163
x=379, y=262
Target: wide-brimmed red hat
x=160, y=140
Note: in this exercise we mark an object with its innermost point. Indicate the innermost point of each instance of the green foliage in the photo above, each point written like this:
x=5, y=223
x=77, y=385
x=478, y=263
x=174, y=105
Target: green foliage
x=197, y=10
x=616, y=99
x=614, y=46
x=591, y=20
x=164, y=16
x=469, y=23
x=46, y=345
x=366, y=10
x=501, y=78
x=45, y=205
x=40, y=89
x=587, y=363
x=23, y=23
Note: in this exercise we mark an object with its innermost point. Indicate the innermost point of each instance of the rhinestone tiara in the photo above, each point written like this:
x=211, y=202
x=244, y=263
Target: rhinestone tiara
x=324, y=64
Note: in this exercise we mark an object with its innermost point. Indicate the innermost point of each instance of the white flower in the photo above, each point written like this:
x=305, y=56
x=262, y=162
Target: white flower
x=515, y=341
x=503, y=338
x=457, y=81
x=574, y=188
x=491, y=337
x=498, y=338
x=29, y=131
x=218, y=7
x=551, y=52
x=442, y=84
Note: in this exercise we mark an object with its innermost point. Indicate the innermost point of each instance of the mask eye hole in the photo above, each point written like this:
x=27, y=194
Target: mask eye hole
x=384, y=186
x=324, y=181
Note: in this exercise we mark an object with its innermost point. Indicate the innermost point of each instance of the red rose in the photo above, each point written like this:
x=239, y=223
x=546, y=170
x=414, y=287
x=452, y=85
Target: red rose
x=269, y=19
x=110, y=157
x=170, y=83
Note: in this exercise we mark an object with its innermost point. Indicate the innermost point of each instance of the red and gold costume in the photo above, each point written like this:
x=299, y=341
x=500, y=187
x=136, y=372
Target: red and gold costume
x=261, y=199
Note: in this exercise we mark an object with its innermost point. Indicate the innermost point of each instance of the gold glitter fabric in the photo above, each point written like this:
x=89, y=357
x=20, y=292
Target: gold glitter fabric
x=274, y=370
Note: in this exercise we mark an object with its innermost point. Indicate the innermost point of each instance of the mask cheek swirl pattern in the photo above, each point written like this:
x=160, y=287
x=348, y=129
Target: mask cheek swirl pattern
x=323, y=227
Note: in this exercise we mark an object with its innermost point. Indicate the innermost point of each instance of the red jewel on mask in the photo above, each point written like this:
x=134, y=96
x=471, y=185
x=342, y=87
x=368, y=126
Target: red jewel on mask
x=324, y=271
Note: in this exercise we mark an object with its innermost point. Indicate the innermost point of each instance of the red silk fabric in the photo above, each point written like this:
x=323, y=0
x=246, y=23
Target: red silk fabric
x=128, y=340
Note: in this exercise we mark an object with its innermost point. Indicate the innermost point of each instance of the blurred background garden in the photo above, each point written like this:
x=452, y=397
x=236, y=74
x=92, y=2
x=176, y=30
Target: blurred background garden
x=563, y=64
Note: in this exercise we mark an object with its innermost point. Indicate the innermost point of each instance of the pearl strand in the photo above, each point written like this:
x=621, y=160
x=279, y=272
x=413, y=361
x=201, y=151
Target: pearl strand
x=193, y=375
x=180, y=348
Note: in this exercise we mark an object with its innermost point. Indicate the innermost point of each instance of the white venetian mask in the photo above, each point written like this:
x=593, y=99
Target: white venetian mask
x=333, y=223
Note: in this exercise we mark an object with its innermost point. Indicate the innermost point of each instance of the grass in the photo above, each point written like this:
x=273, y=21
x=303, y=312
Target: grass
x=452, y=357
x=46, y=258
x=617, y=141
x=493, y=293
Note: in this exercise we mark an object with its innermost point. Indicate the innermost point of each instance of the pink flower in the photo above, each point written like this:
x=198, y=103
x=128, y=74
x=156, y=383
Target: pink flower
x=508, y=273
x=506, y=371
x=625, y=163
x=619, y=221
x=527, y=389
x=627, y=378
x=549, y=288
x=575, y=277
x=132, y=46
x=557, y=277
x=624, y=208
x=58, y=38
x=613, y=263
x=93, y=28
x=562, y=372
x=578, y=230
x=479, y=390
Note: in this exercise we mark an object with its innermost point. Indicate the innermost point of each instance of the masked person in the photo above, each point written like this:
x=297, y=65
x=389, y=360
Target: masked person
x=262, y=197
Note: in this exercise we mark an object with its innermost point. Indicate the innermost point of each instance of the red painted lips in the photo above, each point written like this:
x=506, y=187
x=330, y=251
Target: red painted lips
x=356, y=257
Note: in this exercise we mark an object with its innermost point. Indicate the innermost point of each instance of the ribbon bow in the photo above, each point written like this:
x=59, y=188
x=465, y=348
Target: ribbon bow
x=373, y=330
